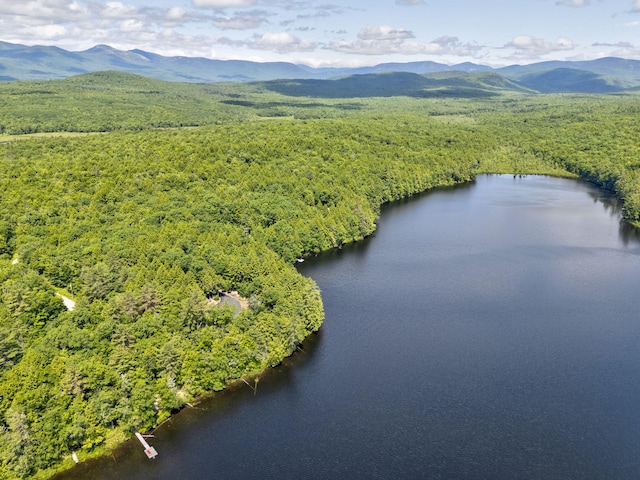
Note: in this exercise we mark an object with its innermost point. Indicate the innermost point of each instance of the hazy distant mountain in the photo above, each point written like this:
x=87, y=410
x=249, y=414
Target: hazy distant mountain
x=20, y=62
x=623, y=70
x=571, y=80
x=440, y=84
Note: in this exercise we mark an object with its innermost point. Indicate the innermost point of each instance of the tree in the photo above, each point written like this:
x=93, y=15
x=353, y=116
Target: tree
x=31, y=298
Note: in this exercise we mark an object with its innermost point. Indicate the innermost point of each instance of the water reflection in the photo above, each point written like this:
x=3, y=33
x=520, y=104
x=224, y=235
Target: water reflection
x=191, y=427
x=629, y=234
x=485, y=331
x=613, y=206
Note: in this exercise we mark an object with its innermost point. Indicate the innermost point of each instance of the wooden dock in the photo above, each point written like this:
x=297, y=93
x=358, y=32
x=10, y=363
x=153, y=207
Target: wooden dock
x=148, y=449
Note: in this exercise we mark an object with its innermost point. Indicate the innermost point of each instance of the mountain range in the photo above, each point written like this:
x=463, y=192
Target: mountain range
x=21, y=62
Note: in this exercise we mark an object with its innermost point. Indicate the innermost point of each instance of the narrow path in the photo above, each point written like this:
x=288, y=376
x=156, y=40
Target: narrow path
x=69, y=303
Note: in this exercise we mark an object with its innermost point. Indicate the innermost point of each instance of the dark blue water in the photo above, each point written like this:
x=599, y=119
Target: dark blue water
x=489, y=331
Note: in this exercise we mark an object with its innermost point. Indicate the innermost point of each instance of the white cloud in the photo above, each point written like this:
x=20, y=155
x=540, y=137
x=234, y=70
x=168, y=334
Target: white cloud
x=118, y=10
x=282, y=42
x=78, y=24
x=42, y=11
x=234, y=27
x=223, y=3
x=75, y=7
x=384, y=40
x=176, y=13
x=526, y=46
x=573, y=3
x=242, y=21
x=620, y=49
x=322, y=12
x=131, y=25
x=452, y=46
x=48, y=32
x=278, y=42
x=636, y=6
x=384, y=33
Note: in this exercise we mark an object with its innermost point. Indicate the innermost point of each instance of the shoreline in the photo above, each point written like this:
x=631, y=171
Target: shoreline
x=108, y=449
x=120, y=437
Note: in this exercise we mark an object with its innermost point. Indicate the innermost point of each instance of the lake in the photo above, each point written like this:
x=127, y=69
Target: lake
x=487, y=331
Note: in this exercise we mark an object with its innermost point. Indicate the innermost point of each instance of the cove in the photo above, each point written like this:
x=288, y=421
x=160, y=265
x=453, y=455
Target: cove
x=488, y=331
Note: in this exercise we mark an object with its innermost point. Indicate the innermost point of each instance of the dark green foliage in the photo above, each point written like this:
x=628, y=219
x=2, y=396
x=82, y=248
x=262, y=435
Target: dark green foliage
x=396, y=84
x=594, y=137
x=30, y=298
x=570, y=80
x=107, y=101
x=143, y=229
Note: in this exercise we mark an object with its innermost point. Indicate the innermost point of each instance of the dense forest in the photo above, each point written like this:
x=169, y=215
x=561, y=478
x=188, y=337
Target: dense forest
x=145, y=225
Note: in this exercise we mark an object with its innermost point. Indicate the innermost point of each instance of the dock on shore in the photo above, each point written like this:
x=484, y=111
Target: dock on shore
x=148, y=449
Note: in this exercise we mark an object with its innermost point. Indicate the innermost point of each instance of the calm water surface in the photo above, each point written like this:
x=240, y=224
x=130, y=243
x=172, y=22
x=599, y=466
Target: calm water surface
x=489, y=331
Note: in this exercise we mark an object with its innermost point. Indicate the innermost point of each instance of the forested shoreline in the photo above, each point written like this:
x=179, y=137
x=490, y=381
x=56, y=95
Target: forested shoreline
x=144, y=228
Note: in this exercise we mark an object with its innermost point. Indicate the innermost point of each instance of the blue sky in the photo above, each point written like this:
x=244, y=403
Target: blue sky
x=341, y=33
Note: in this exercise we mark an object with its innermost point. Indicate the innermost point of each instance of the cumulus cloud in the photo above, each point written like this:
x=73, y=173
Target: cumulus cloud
x=176, y=13
x=278, y=42
x=282, y=42
x=83, y=23
x=285, y=4
x=118, y=10
x=382, y=40
x=223, y=3
x=185, y=28
x=573, y=3
x=384, y=33
x=322, y=12
x=618, y=44
x=241, y=21
x=46, y=32
x=531, y=47
x=43, y=12
x=620, y=49
x=131, y=25
x=453, y=46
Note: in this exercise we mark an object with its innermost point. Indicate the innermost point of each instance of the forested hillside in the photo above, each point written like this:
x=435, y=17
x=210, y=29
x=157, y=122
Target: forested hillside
x=108, y=101
x=144, y=227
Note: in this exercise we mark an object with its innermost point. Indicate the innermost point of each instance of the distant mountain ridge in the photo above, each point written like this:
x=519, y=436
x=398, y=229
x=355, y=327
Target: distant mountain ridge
x=571, y=79
x=21, y=62
x=387, y=84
